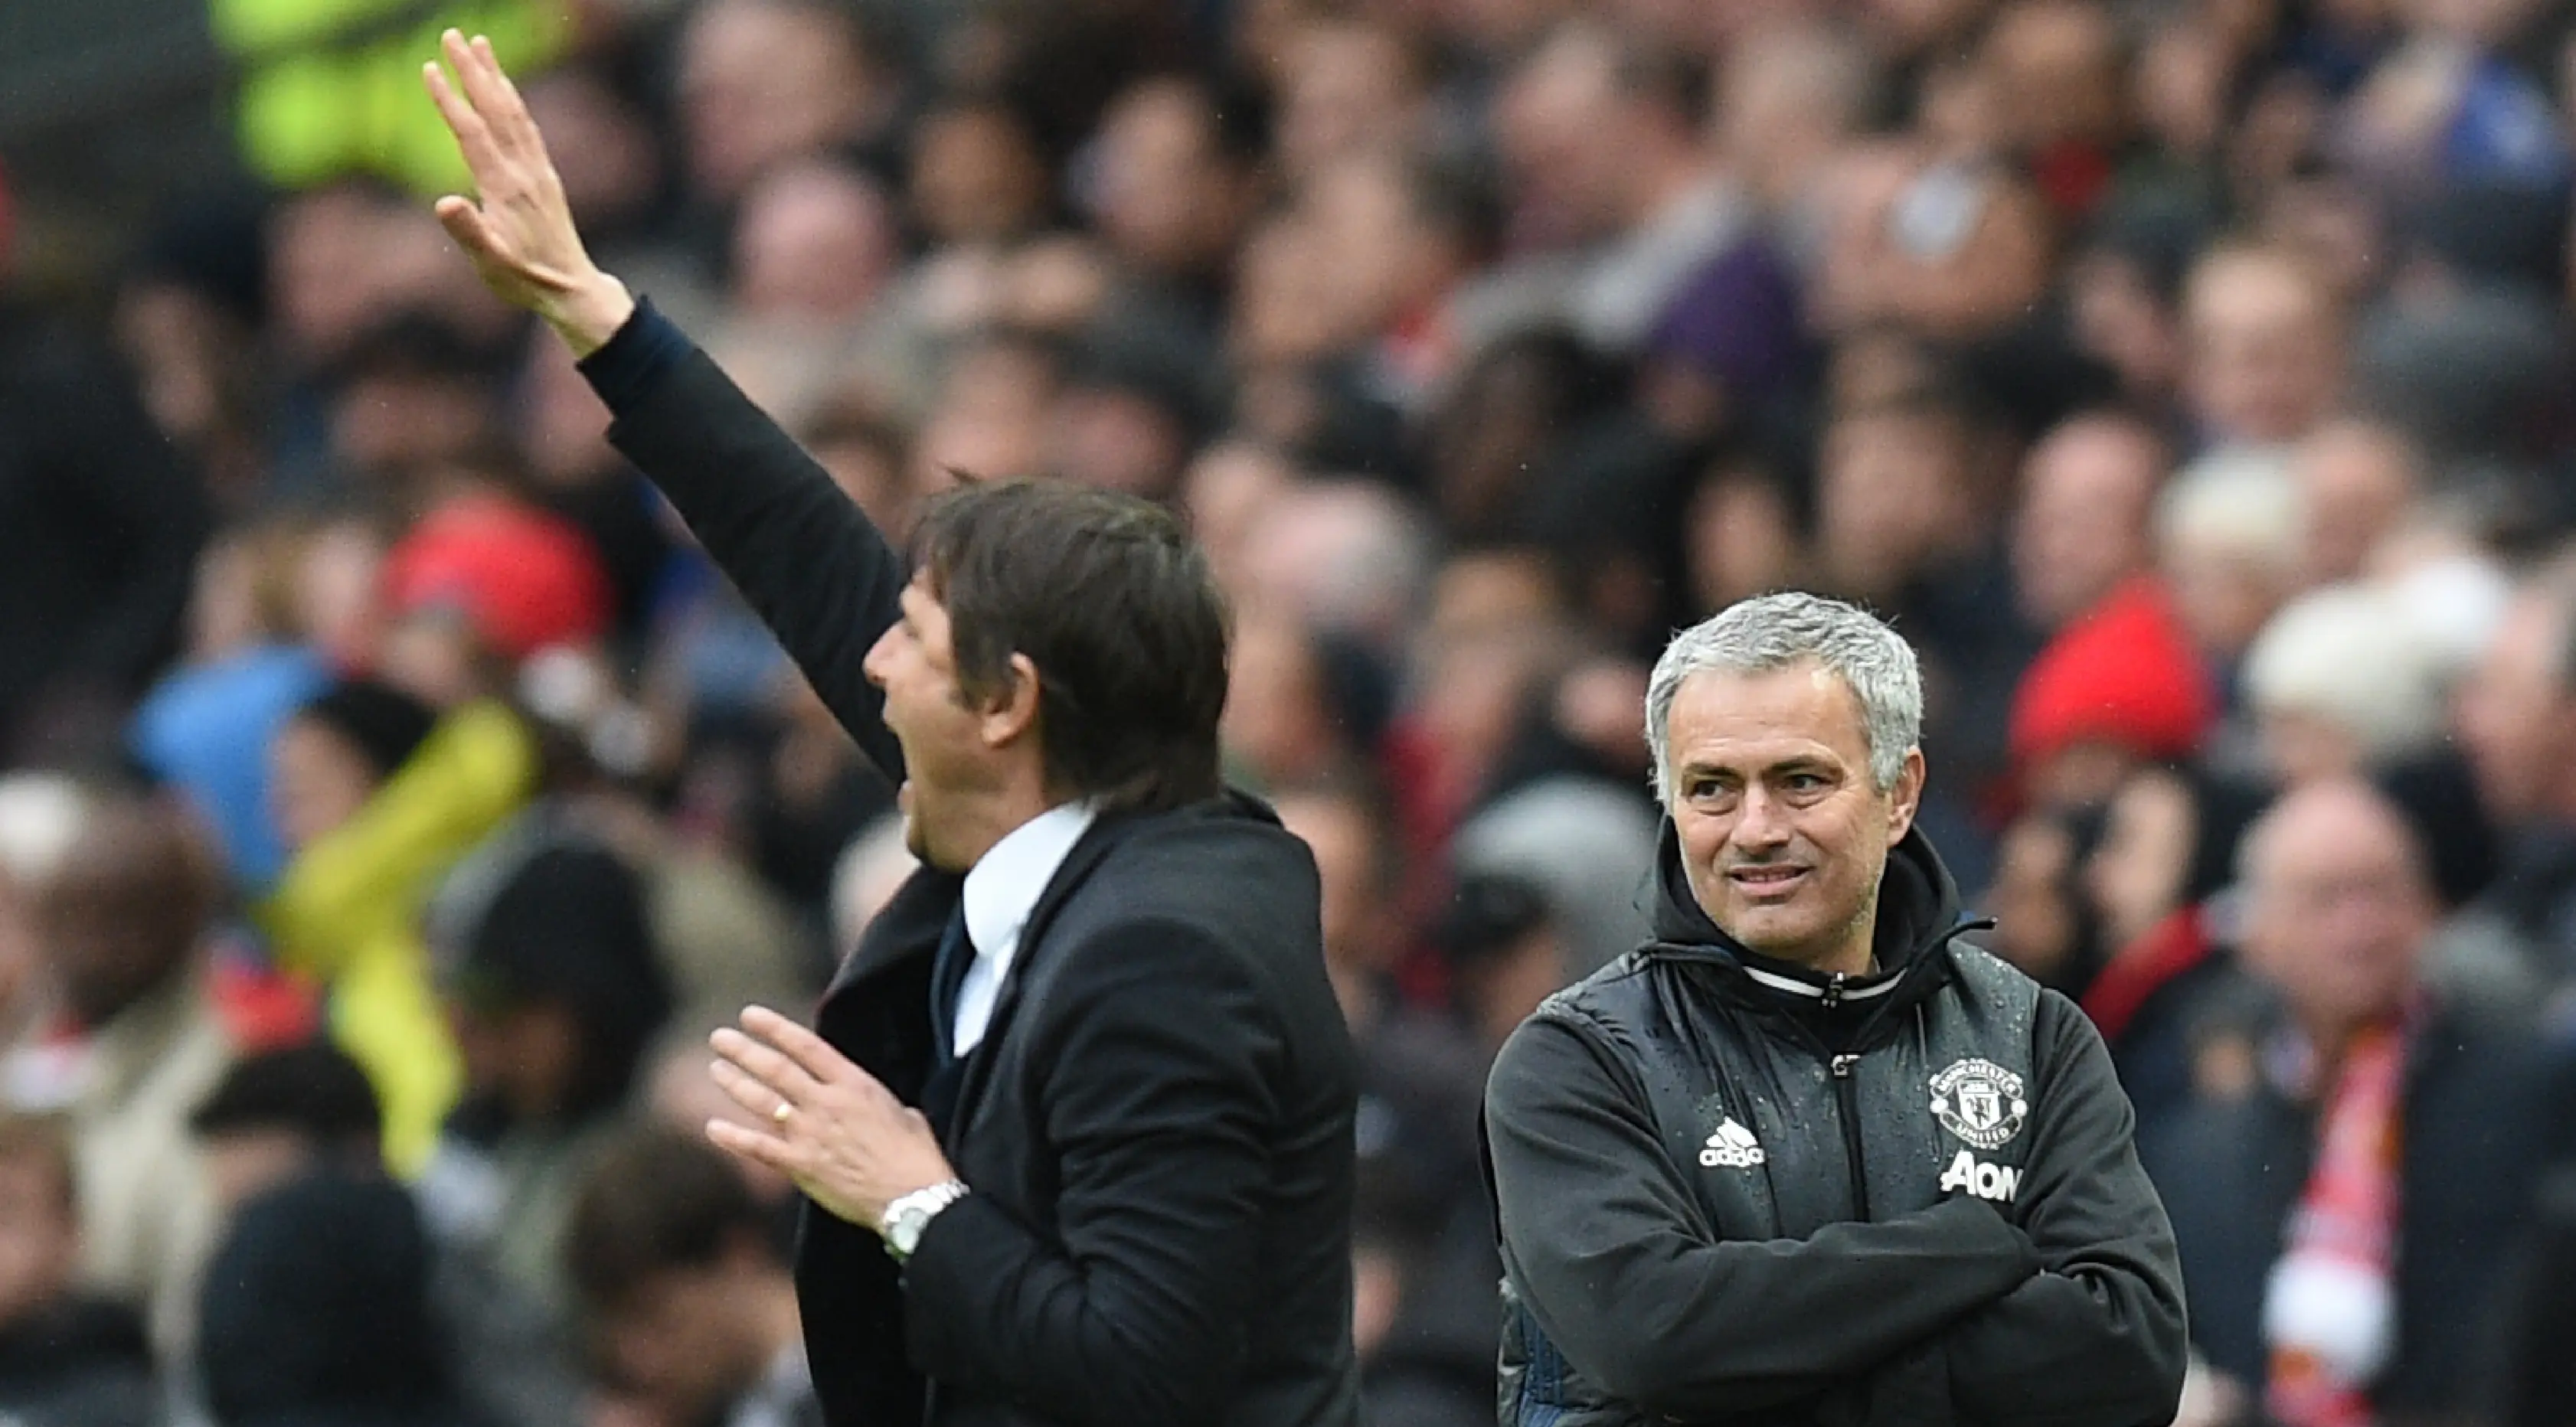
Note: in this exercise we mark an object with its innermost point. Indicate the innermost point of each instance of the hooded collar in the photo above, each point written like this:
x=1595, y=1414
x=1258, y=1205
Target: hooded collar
x=1918, y=913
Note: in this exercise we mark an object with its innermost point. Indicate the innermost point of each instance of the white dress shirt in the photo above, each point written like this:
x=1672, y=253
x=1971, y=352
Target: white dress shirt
x=1002, y=889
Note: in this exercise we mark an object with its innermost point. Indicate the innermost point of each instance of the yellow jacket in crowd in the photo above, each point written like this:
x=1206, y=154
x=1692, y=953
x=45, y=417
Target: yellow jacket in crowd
x=332, y=87
x=347, y=913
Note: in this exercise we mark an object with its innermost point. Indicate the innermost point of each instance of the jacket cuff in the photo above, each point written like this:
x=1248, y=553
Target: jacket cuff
x=628, y=364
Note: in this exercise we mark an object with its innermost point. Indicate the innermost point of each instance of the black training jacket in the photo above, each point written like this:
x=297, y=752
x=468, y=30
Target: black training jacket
x=1732, y=1190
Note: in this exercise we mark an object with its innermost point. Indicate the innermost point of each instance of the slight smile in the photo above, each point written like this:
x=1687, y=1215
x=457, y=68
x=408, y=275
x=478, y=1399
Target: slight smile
x=1767, y=880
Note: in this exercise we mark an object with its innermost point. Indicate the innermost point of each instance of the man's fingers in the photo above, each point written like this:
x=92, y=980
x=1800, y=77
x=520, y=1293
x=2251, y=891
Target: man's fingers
x=764, y=1064
x=512, y=116
x=752, y=1145
x=473, y=136
x=491, y=93
x=807, y=1049
x=758, y=1098
x=466, y=224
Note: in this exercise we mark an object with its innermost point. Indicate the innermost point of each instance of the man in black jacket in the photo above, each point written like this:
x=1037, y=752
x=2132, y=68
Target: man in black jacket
x=1804, y=1157
x=1129, y=1198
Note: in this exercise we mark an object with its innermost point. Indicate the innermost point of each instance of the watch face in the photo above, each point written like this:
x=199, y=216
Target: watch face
x=907, y=1230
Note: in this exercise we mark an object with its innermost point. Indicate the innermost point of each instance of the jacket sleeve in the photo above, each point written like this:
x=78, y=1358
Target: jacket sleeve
x=1134, y=1306
x=802, y=553
x=1610, y=1252
x=2096, y=1339
x=371, y=875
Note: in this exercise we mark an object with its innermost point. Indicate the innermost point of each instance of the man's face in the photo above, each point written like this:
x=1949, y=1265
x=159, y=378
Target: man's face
x=1783, y=833
x=119, y=921
x=2358, y=484
x=760, y=83
x=2517, y=716
x=945, y=756
x=523, y=1051
x=317, y=782
x=2082, y=524
x=2338, y=908
x=2264, y=361
x=680, y=1343
x=1893, y=497
x=1167, y=198
x=1350, y=860
x=39, y=1239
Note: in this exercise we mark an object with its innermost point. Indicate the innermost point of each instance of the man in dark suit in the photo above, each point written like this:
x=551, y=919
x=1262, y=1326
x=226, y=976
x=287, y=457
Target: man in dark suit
x=1125, y=1195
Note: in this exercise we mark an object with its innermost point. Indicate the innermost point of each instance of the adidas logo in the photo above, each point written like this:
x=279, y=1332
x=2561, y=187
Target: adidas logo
x=1732, y=1147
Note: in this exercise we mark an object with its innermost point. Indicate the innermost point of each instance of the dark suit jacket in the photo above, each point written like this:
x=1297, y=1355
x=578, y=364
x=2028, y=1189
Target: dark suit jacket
x=1157, y=1126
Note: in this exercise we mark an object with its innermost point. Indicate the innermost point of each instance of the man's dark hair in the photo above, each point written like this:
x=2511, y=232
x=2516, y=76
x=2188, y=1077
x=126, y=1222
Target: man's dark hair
x=1118, y=610
x=313, y=1090
x=655, y=1201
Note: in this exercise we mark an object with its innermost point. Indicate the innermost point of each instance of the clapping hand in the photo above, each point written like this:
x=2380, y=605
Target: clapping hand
x=822, y=1121
x=518, y=229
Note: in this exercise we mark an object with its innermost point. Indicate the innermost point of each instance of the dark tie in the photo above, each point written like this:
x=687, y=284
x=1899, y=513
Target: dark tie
x=947, y=978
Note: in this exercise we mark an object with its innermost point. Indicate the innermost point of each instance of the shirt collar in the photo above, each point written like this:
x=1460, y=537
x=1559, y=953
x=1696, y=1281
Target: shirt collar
x=1004, y=885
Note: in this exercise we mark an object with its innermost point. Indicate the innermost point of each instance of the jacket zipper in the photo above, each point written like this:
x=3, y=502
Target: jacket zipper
x=1847, y=1100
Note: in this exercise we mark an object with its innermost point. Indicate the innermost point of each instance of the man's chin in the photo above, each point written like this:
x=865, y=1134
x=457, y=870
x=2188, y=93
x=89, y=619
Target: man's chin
x=924, y=848
x=1764, y=932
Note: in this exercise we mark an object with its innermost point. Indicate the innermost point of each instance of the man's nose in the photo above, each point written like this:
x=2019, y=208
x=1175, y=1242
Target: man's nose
x=873, y=666
x=1759, y=821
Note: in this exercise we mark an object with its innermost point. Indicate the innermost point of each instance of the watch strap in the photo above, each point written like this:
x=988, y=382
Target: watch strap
x=920, y=1206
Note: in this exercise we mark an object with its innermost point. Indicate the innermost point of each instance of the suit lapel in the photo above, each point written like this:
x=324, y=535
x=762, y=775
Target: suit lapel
x=909, y=926
x=877, y=1010
x=1095, y=844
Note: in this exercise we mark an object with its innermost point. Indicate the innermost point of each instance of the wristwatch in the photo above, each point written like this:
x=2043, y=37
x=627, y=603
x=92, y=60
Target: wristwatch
x=910, y=1214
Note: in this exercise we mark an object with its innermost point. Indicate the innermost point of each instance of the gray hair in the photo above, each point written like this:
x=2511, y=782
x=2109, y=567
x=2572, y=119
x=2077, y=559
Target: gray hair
x=1777, y=631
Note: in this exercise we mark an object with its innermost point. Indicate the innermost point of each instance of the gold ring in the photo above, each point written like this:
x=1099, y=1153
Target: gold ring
x=783, y=1112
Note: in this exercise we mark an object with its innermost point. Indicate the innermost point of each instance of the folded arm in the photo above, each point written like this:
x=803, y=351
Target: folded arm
x=2096, y=1339
x=1611, y=1254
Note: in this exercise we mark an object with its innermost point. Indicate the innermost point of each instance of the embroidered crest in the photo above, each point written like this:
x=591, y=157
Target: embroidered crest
x=1980, y=1102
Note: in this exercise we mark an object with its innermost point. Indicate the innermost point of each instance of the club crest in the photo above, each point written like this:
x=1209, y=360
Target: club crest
x=1980, y=1102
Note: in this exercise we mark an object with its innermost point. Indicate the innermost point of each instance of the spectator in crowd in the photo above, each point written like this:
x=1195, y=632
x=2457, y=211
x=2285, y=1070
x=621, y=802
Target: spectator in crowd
x=247, y=670
x=66, y=1359
x=2358, y=481
x=317, y=1311
x=284, y=1115
x=2083, y=526
x=105, y=527
x=550, y=974
x=2155, y=880
x=2345, y=1219
x=2266, y=347
x=377, y=795
x=125, y=927
x=683, y=1287
x=2517, y=711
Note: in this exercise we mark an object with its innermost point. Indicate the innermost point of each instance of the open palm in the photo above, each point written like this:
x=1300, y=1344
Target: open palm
x=519, y=230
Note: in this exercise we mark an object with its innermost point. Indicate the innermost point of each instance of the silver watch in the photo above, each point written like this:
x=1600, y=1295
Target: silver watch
x=910, y=1214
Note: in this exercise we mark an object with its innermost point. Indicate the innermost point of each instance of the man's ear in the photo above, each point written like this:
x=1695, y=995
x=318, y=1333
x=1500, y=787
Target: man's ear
x=1906, y=797
x=1012, y=711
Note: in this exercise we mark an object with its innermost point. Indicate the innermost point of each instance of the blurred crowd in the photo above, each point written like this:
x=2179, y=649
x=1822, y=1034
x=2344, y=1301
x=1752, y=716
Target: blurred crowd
x=395, y=799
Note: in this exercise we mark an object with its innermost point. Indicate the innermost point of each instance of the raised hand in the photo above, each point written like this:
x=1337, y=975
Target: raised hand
x=520, y=233
x=830, y=1126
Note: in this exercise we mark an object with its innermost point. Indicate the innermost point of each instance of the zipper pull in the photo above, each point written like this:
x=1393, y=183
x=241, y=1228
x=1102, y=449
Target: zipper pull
x=1834, y=990
x=1841, y=1066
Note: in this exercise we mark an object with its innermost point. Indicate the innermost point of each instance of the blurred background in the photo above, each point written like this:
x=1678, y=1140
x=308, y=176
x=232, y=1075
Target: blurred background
x=394, y=798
